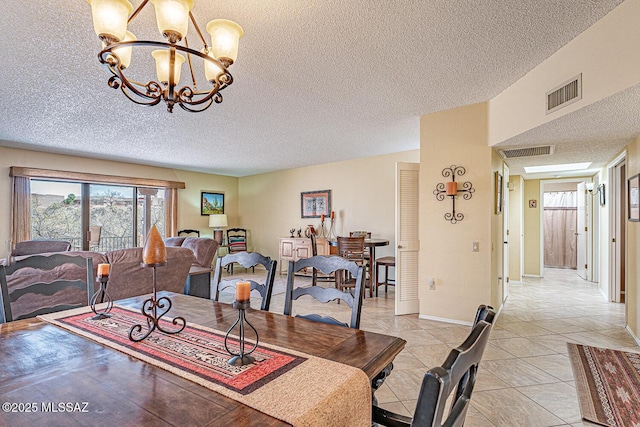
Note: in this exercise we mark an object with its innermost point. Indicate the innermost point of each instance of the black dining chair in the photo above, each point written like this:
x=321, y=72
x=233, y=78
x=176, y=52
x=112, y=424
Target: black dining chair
x=456, y=377
x=247, y=260
x=50, y=292
x=326, y=265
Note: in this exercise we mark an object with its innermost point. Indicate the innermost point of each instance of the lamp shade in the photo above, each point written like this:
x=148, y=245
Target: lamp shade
x=124, y=53
x=172, y=16
x=110, y=17
x=219, y=220
x=211, y=69
x=225, y=36
x=162, y=66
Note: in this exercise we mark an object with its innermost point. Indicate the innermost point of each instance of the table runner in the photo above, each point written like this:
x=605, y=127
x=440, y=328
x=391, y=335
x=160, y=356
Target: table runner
x=297, y=388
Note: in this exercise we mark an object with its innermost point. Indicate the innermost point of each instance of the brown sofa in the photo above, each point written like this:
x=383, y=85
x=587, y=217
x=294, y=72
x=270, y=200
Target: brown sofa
x=126, y=279
x=199, y=281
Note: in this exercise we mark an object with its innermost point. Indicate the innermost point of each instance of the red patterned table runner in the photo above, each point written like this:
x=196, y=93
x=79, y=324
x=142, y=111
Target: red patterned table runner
x=297, y=388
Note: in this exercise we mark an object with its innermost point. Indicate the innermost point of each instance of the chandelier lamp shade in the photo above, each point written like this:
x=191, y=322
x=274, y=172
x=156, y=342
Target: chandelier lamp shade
x=111, y=20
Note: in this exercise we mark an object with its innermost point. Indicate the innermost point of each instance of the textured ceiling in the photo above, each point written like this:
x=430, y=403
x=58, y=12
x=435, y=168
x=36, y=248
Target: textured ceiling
x=315, y=81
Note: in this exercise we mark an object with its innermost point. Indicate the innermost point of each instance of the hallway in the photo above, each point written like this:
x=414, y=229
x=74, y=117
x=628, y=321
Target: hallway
x=525, y=378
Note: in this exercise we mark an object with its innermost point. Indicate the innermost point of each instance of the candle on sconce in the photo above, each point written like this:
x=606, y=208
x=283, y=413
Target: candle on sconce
x=103, y=270
x=452, y=188
x=322, y=218
x=333, y=214
x=243, y=291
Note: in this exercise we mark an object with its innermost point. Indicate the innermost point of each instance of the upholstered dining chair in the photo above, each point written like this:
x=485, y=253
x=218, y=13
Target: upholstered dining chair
x=236, y=242
x=326, y=265
x=247, y=260
x=456, y=378
x=64, y=282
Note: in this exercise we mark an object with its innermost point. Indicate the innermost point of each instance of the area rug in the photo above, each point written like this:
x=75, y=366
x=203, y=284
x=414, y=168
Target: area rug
x=608, y=384
x=297, y=388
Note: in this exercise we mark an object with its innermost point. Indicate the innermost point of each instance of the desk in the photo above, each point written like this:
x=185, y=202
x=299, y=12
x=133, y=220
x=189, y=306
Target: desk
x=371, y=244
x=121, y=390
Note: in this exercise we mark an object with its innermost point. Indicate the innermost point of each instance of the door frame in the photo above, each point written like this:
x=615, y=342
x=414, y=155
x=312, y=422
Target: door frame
x=617, y=224
x=589, y=222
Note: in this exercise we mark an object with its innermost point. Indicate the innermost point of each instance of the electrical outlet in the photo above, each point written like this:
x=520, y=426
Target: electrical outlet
x=476, y=247
x=432, y=284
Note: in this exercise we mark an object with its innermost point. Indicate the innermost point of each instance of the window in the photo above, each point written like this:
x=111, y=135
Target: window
x=93, y=212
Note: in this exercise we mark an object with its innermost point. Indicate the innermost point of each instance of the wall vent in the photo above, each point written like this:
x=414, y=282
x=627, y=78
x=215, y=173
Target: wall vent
x=565, y=94
x=543, y=150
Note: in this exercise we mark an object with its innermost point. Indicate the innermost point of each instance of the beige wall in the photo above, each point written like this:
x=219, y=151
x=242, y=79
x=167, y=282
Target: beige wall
x=607, y=56
x=464, y=279
x=189, y=198
x=633, y=249
x=532, y=228
x=516, y=207
x=362, y=196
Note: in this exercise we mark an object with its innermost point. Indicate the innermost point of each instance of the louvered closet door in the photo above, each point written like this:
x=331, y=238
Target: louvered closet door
x=408, y=245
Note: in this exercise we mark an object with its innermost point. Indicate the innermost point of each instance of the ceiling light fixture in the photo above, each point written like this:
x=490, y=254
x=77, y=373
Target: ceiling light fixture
x=110, y=21
x=557, y=168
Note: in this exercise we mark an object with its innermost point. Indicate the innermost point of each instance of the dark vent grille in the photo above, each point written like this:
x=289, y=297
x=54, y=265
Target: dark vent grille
x=564, y=95
x=527, y=152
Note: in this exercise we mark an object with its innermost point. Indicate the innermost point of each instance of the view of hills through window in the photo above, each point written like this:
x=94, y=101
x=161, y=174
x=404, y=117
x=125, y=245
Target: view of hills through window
x=57, y=213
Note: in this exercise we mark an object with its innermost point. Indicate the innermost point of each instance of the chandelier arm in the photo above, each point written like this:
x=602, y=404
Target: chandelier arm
x=195, y=110
x=154, y=90
x=193, y=77
x=185, y=95
x=135, y=13
x=193, y=20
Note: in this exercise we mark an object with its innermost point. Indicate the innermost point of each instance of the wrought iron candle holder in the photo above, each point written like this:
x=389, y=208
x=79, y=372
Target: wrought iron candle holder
x=104, y=297
x=451, y=189
x=153, y=309
x=241, y=358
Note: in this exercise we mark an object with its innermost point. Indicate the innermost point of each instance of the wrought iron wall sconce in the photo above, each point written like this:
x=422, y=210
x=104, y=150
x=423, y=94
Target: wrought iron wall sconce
x=451, y=189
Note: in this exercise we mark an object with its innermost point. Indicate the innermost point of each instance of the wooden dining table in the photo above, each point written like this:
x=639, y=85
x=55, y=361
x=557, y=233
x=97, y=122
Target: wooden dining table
x=47, y=369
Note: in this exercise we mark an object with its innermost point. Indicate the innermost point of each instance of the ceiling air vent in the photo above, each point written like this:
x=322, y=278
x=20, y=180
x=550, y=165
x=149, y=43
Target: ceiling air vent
x=565, y=94
x=543, y=150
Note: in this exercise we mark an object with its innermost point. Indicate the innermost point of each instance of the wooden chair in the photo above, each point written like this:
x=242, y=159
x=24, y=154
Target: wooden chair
x=246, y=259
x=47, y=296
x=95, y=231
x=386, y=262
x=236, y=242
x=351, y=249
x=326, y=265
x=456, y=377
x=189, y=231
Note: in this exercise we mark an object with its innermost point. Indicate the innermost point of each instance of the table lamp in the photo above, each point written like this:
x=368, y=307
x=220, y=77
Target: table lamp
x=216, y=222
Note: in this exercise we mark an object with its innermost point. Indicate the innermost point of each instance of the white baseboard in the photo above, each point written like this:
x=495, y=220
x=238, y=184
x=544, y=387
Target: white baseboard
x=537, y=276
x=446, y=320
x=633, y=335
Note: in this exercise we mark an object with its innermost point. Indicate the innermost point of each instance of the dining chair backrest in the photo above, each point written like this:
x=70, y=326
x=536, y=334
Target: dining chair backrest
x=360, y=233
x=189, y=231
x=326, y=265
x=50, y=293
x=456, y=377
x=351, y=248
x=247, y=260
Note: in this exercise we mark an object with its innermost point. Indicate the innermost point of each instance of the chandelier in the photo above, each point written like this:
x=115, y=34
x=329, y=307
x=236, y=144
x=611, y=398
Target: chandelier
x=110, y=21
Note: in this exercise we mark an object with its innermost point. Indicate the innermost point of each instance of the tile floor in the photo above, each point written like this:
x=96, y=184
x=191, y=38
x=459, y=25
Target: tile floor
x=525, y=378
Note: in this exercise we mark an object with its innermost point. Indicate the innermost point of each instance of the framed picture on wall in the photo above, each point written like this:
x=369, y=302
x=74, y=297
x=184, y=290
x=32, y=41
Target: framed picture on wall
x=498, y=192
x=633, y=197
x=211, y=203
x=315, y=203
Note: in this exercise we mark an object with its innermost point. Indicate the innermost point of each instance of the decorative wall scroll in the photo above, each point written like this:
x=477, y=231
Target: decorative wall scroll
x=451, y=189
